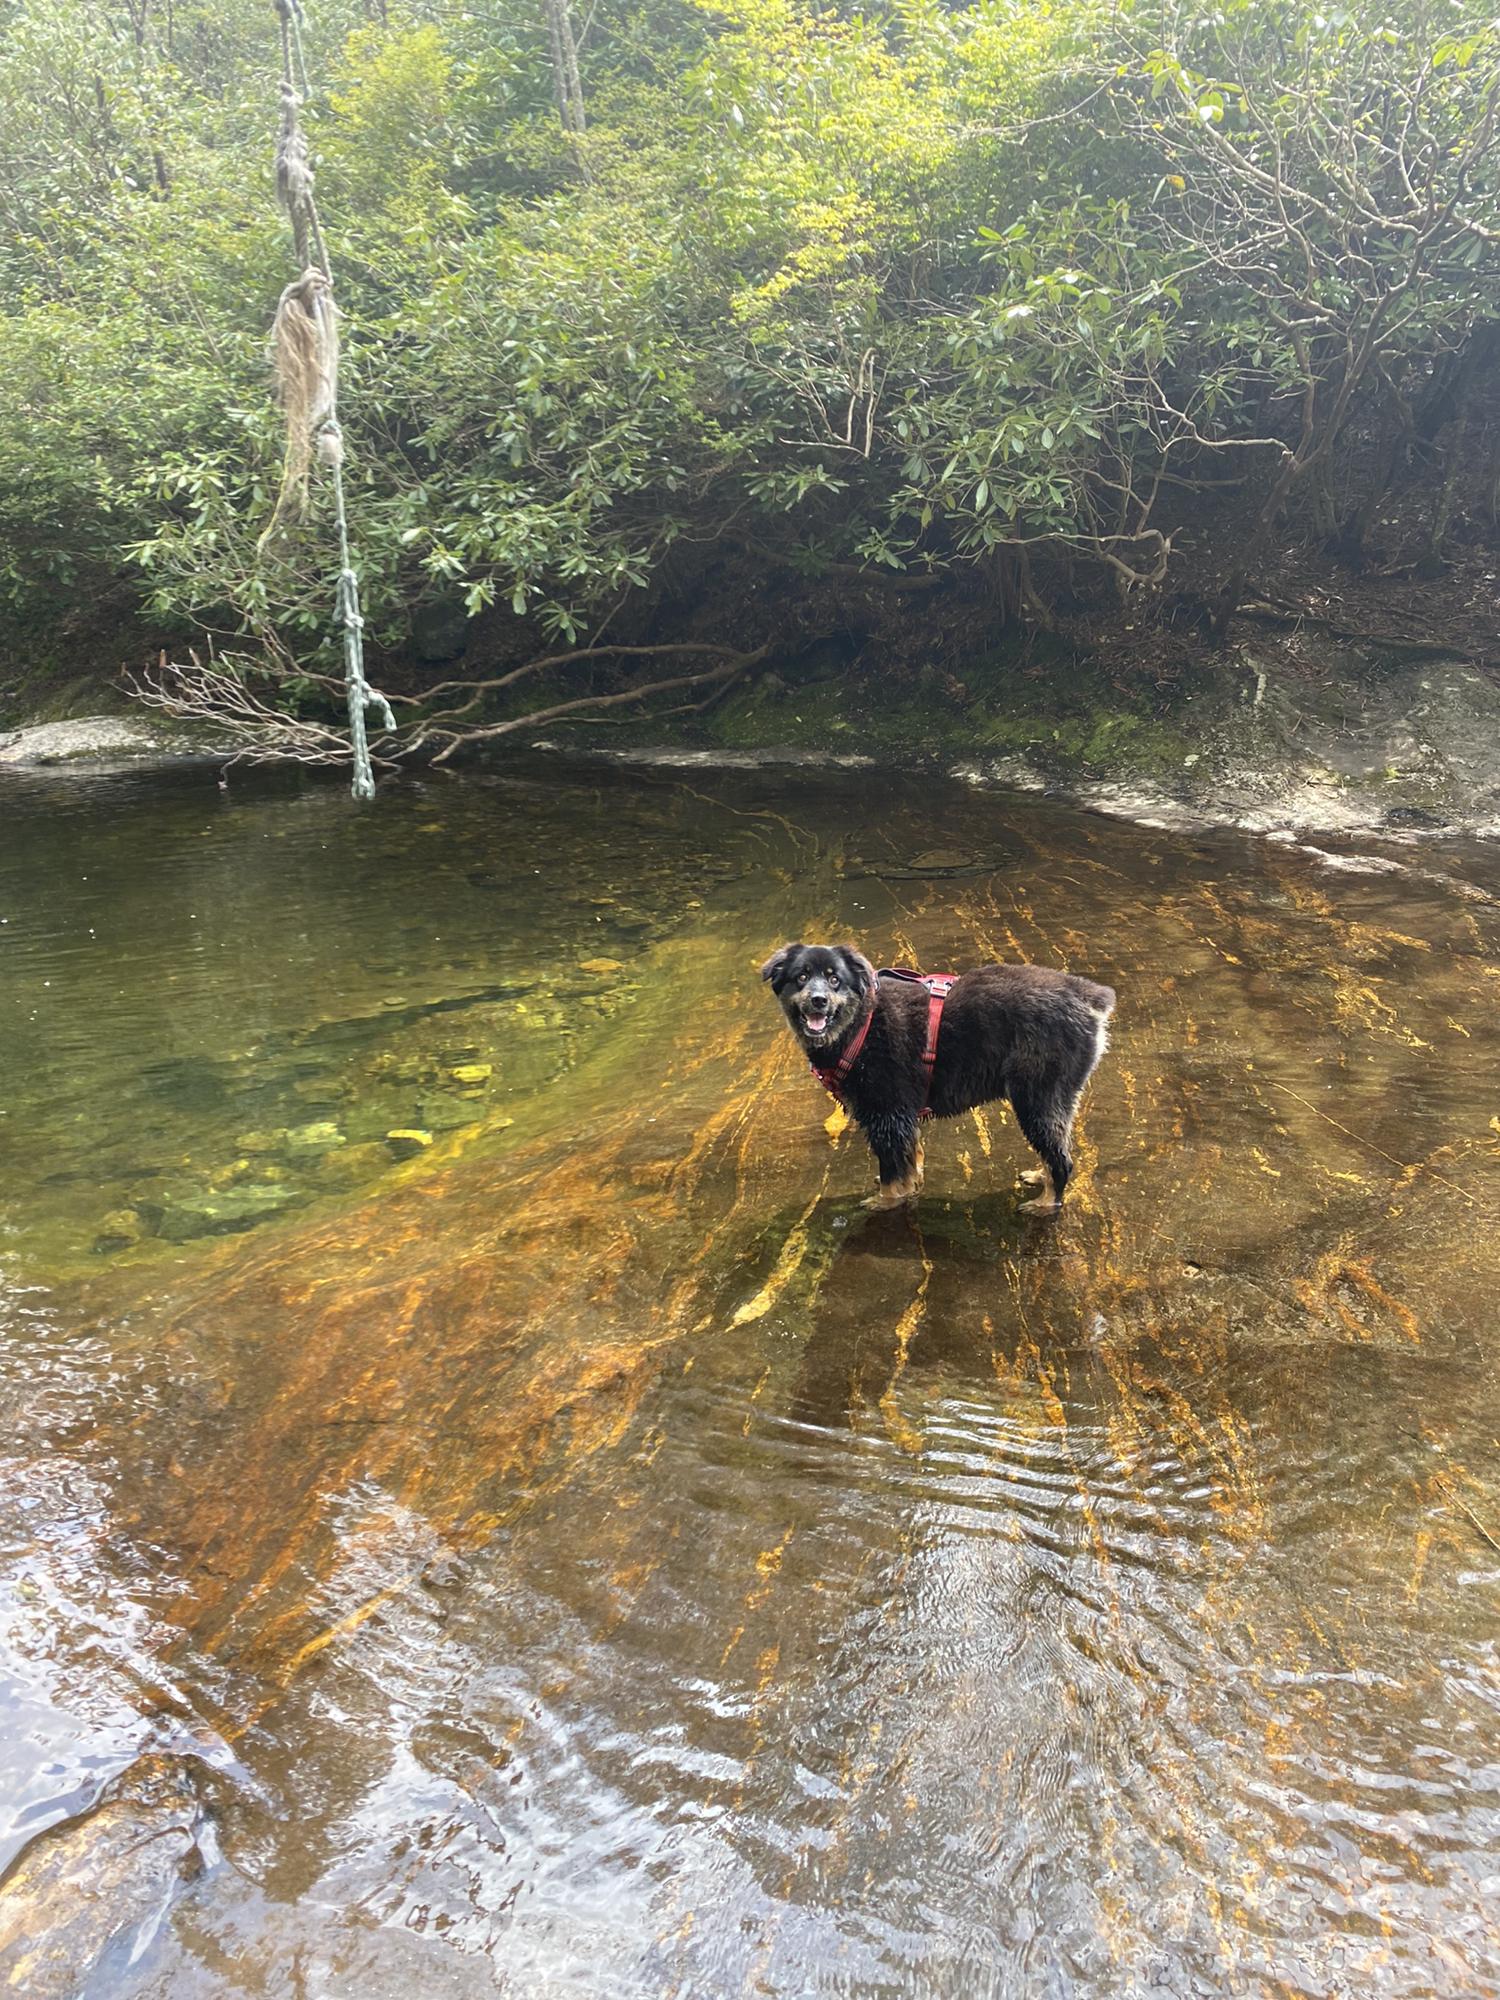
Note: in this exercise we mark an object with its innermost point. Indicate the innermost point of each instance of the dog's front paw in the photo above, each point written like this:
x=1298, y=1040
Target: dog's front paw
x=1032, y=1176
x=1044, y=1204
x=895, y=1194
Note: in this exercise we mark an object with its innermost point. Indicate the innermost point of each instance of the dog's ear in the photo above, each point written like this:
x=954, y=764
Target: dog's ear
x=861, y=972
x=775, y=966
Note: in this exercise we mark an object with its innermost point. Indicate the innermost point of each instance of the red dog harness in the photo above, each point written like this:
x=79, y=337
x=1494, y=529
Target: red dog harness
x=937, y=984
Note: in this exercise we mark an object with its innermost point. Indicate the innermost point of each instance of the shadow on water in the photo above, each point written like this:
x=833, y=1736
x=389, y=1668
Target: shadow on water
x=487, y=1509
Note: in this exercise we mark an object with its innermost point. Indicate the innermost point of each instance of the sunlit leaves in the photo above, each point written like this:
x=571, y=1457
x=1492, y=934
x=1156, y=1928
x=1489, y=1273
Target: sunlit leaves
x=893, y=289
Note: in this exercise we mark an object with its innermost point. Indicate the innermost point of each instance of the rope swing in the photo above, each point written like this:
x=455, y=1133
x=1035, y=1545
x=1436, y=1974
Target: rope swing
x=305, y=356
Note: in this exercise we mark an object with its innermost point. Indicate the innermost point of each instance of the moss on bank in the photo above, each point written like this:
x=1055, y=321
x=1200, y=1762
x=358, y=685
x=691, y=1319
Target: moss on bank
x=1062, y=714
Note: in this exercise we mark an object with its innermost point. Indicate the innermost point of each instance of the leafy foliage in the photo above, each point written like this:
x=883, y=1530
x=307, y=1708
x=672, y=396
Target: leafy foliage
x=913, y=289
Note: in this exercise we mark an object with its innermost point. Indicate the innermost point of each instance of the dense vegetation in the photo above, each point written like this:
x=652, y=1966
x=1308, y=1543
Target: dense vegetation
x=1007, y=292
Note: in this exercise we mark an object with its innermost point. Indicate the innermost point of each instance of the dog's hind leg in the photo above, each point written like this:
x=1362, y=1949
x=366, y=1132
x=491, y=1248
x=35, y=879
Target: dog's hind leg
x=1046, y=1098
x=1044, y=1112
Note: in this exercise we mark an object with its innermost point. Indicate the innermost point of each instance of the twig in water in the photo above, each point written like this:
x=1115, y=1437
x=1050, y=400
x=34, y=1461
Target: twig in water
x=1456, y=1500
x=1406, y=1166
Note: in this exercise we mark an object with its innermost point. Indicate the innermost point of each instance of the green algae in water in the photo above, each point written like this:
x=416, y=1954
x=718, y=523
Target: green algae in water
x=205, y=1020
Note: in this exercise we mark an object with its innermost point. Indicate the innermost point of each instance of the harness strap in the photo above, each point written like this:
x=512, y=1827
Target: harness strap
x=938, y=985
x=832, y=1079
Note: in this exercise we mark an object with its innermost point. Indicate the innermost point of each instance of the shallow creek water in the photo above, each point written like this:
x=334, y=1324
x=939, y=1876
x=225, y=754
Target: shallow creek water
x=570, y=1548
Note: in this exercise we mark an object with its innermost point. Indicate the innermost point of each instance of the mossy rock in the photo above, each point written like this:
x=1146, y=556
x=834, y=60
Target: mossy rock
x=223, y=1211
x=472, y=1076
x=118, y=1230
x=449, y=1110
x=354, y=1166
x=307, y=1143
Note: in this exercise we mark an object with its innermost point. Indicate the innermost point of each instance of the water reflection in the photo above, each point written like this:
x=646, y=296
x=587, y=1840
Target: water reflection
x=590, y=1553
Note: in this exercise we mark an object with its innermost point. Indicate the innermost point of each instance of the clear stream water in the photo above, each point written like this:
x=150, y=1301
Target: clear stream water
x=570, y=1548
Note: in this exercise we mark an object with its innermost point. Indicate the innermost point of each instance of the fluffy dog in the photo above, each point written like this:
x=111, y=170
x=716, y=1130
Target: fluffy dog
x=1022, y=1032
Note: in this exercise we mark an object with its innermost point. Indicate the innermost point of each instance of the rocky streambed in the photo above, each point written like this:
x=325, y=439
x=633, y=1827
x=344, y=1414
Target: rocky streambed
x=593, y=1554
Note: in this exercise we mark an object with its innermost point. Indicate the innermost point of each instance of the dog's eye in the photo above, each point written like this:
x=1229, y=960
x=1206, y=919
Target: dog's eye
x=833, y=979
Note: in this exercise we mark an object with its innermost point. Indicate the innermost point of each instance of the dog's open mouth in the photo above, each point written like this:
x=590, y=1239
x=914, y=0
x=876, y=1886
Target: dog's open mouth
x=815, y=1024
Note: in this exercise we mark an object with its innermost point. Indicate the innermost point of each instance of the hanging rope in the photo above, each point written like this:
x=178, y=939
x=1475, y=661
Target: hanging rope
x=305, y=355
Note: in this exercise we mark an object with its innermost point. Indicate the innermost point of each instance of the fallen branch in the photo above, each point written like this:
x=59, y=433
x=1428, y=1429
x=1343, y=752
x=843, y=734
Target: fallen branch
x=569, y=659
x=741, y=664
x=225, y=701
x=1267, y=612
x=222, y=696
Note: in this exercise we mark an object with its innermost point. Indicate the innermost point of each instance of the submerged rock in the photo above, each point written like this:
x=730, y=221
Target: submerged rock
x=771, y=757
x=301, y=1143
x=447, y=1110
x=118, y=1230
x=88, y=1894
x=222, y=1211
x=373, y=1114
x=471, y=1074
x=391, y=1067
x=354, y=1166
x=320, y=1092
x=258, y=1142
x=942, y=861
x=408, y=1142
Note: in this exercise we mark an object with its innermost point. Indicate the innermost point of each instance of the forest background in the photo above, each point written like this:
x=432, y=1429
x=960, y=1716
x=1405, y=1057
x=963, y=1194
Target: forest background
x=694, y=342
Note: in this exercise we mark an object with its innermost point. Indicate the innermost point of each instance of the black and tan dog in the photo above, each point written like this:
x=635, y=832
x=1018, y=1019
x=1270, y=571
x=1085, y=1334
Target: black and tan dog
x=1023, y=1032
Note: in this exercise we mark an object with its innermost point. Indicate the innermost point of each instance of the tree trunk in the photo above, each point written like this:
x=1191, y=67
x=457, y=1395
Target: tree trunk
x=1349, y=543
x=1253, y=547
x=1031, y=604
x=567, y=84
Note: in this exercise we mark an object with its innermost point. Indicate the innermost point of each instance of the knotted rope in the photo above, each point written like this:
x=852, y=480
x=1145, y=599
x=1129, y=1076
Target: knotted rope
x=305, y=355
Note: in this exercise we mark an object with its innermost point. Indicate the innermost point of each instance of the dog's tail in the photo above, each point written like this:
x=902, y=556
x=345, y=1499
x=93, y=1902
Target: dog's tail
x=1098, y=999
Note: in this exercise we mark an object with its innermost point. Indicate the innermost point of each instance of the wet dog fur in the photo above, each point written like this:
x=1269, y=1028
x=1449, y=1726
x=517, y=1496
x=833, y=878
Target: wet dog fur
x=1020, y=1032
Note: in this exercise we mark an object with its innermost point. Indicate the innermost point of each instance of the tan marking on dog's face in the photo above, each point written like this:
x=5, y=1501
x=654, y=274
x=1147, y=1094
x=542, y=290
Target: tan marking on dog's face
x=821, y=988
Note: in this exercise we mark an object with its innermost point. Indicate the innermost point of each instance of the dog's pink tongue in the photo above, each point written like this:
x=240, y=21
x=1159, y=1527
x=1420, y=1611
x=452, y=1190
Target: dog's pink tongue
x=816, y=1023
